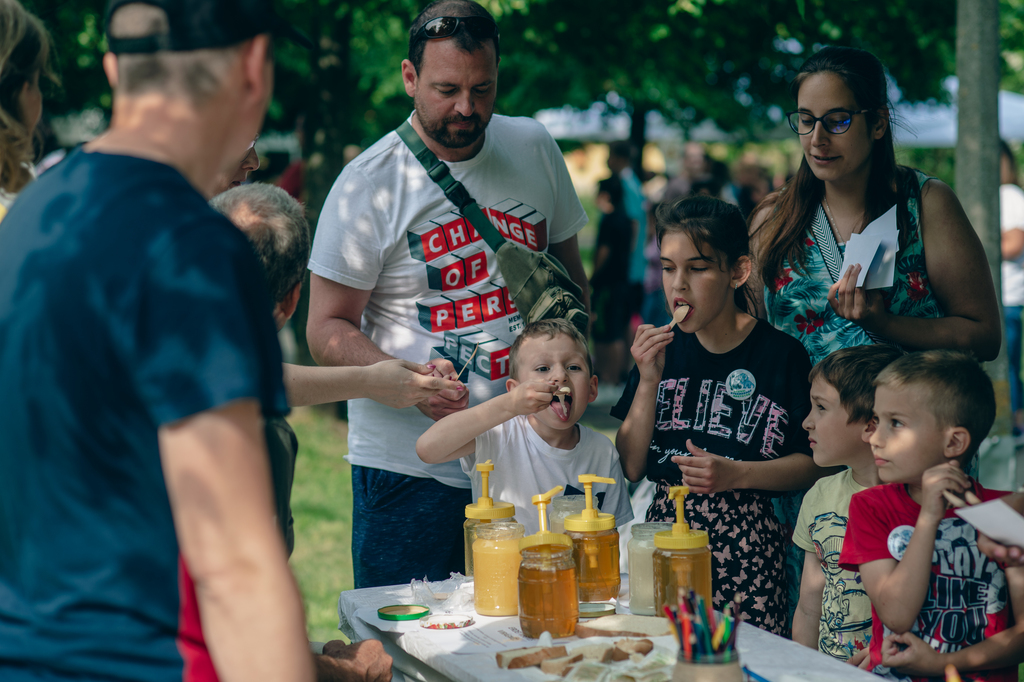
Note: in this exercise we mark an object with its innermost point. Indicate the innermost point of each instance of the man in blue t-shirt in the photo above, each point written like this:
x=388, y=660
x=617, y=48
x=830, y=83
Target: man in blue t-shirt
x=137, y=362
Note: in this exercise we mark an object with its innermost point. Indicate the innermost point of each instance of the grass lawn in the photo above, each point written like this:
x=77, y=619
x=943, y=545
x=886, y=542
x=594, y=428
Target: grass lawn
x=322, y=509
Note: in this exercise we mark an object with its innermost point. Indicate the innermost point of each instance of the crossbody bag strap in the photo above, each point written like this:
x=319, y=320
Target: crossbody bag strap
x=829, y=248
x=438, y=171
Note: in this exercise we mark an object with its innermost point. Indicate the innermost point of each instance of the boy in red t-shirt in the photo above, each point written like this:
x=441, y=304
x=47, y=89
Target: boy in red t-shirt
x=935, y=599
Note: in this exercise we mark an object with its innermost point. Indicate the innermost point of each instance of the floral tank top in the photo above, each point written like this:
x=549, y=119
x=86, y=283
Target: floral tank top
x=798, y=303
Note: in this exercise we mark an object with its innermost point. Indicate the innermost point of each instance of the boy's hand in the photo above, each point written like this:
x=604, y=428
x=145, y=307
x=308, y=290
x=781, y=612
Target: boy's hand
x=704, y=472
x=531, y=397
x=946, y=476
x=910, y=655
x=861, y=658
x=648, y=350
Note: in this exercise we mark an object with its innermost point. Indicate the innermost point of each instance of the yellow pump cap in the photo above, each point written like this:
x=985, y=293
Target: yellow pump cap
x=590, y=518
x=485, y=507
x=680, y=537
x=544, y=536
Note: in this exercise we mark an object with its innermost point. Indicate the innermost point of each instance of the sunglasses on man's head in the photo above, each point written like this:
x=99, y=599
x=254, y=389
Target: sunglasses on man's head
x=480, y=28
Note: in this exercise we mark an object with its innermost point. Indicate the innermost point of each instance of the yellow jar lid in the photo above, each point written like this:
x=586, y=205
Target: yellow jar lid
x=545, y=537
x=687, y=539
x=497, y=510
x=590, y=518
x=578, y=523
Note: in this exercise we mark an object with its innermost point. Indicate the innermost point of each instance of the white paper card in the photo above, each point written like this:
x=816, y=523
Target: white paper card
x=883, y=268
x=874, y=249
x=997, y=520
x=861, y=250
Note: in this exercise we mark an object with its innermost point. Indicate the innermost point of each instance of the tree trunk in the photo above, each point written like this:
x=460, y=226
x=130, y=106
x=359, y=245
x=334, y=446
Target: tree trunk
x=977, y=155
x=327, y=130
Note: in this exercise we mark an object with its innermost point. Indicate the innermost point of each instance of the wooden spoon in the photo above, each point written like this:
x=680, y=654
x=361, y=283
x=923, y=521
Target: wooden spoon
x=680, y=314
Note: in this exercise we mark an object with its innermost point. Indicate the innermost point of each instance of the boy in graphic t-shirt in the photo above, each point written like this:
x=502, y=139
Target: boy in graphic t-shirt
x=834, y=612
x=936, y=599
x=533, y=439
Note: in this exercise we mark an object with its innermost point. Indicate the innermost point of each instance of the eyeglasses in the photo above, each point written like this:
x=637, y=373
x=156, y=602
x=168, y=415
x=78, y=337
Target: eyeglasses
x=835, y=122
x=480, y=28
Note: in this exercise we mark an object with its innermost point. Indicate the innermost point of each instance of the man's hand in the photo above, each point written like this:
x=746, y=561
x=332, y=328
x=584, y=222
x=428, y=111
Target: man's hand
x=447, y=401
x=401, y=383
x=363, y=661
x=910, y=655
x=648, y=350
x=946, y=476
x=706, y=473
x=531, y=397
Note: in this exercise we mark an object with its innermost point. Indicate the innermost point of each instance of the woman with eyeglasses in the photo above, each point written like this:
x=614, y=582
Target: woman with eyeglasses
x=24, y=59
x=942, y=294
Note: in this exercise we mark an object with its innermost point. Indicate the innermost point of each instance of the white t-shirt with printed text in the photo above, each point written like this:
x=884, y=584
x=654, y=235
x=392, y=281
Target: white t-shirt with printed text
x=525, y=465
x=436, y=288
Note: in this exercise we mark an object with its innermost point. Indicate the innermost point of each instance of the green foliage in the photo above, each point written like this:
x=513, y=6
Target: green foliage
x=1011, y=36
x=729, y=60
x=725, y=59
x=77, y=28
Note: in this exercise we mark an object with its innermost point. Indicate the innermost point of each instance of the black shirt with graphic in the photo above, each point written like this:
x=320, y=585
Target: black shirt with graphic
x=747, y=404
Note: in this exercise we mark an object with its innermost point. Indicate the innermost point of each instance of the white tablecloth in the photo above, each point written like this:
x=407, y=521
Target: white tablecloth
x=427, y=655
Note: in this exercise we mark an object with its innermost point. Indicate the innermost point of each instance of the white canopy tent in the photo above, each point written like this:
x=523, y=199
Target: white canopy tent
x=935, y=125
x=599, y=123
x=926, y=124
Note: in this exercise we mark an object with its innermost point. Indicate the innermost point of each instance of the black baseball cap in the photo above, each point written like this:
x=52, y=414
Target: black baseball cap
x=205, y=24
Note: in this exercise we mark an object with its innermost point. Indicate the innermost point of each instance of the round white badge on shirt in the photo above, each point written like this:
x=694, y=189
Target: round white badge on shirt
x=899, y=538
x=740, y=384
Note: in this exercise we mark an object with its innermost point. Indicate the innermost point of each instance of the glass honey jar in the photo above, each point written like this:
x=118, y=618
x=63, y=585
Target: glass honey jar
x=682, y=559
x=496, y=557
x=484, y=511
x=595, y=546
x=641, y=567
x=547, y=580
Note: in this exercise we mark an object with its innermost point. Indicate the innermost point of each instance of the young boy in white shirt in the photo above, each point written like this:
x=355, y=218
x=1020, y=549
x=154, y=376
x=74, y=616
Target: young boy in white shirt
x=533, y=440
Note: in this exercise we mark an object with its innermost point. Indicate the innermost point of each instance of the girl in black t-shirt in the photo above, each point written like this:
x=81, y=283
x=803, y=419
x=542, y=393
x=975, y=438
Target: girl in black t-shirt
x=717, y=405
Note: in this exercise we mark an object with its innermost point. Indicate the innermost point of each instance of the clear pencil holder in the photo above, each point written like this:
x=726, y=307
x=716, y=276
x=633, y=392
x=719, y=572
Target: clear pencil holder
x=714, y=668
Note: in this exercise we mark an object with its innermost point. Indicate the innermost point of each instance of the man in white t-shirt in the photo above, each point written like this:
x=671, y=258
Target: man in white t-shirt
x=397, y=272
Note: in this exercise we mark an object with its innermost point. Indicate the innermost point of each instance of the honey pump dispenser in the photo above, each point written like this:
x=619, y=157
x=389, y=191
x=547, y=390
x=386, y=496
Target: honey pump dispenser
x=547, y=579
x=682, y=559
x=595, y=544
x=484, y=510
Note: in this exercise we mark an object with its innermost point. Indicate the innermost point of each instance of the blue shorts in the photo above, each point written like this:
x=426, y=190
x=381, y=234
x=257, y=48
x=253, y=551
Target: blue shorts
x=404, y=527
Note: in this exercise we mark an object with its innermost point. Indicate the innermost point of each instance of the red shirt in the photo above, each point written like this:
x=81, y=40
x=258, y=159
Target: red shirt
x=967, y=598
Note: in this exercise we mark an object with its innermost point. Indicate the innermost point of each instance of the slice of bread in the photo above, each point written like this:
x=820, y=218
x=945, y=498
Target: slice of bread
x=624, y=625
x=635, y=646
x=529, y=656
x=559, y=666
x=602, y=653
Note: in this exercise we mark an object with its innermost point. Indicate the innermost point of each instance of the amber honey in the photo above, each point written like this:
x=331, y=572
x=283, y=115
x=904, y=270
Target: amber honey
x=596, y=554
x=547, y=592
x=681, y=569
